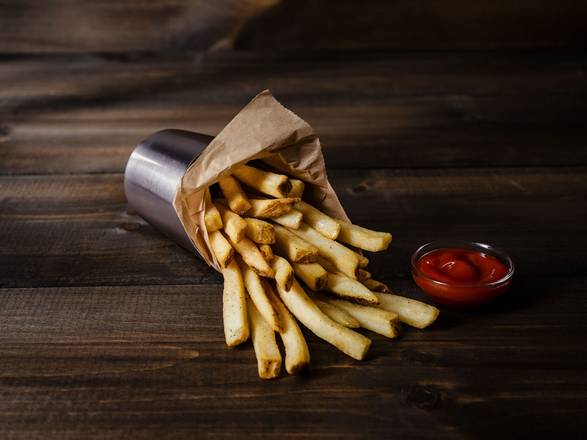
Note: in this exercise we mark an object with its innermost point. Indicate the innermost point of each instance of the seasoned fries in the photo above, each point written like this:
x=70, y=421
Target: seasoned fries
x=257, y=293
x=312, y=274
x=337, y=314
x=234, y=195
x=222, y=249
x=292, y=219
x=342, y=257
x=412, y=312
x=294, y=248
x=363, y=238
x=253, y=257
x=260, y=231
x=324, y=224
x=266, y=350
x=234, y=306
x=349, y=288
x=212, y=218
x=268, y=208
x=284, y=273
x=276, y=185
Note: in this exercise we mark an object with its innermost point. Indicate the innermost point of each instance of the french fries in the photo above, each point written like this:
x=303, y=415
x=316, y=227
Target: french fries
x=297, y=188
x=294, y=248
x=337, y=314
x=343, y=258
x=234, y=195
x=364, y=238
x=410, y=311
x=303, y=308
x=257, y=293
x=251, y=255
x=234, y=225
x=315, y=218
x=312, y=274
x=268, y=208
x=376, y=286
x=212, y=218
x=377, y=320
x=267, y=252
x=266, y=350
x=292, y=219
x=284, y=273
x=234, y=306
x=260, y=231
x=348, y=288
x=276, y=185
x=363, y=275
x=221, y=248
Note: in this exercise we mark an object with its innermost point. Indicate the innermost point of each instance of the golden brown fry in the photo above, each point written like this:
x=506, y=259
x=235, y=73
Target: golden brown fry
x=412, y=312
x=372, y=318
x=234, y=195
x=292, y=219
x=234, y=225
x=345, y=287
x=266, y=350
x=221, y=248
x=212, y=218
x=297, y=188
x=276, y=185
x=363, y=238
x=267, y=252
x=363, y=275
x=268, y=208
x=257, y=293
x=260, y=231
x=321, y=222
x=342, y=257
x=284, y=273
x=363, y=261
x=303, y=308
x=297, y=355
x=312, y=274
x=234, y=306
x=376, y=286
x=294, y=248
x=251, y=255
x=337, y=314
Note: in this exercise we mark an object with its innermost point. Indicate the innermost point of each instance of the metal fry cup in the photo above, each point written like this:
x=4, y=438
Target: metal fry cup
x=152, y=176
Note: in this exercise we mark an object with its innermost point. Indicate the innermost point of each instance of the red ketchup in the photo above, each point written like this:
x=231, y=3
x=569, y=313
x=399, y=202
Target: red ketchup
x=461, y=278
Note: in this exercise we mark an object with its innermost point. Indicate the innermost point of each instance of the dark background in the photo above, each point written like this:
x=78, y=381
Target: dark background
x=439, y=119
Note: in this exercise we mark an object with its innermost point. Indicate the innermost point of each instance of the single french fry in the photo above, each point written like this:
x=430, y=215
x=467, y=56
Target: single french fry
x=257, y=293
x=251, y=255
x=234, y=306
x=292, y=219
x=268, y=208
x=297, y=355
x=212, y=218
x=308, y=313
x=321, y=222
x=297, y=188
x=221, y=248
x=345, y=287
x=342, y=257
x=276, y=185
x=377, y=320
x=312, y=274
x=363, y=238
x=363, y=275
x=410, y=311
x=234, y=225
x=284, y=273
x=260, y=231
x=376, y=286
x=337, y=314
x=267, y=252
x=235, y=196
x=266, y=349
x=294, y=248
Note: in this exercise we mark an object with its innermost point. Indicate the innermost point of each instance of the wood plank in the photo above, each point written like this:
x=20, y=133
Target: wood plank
x=150, y=361
x=75, y=230
x=77, y=115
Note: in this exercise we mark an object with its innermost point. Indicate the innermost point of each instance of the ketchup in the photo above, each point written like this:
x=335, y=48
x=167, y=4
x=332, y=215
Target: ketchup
x=461, y=278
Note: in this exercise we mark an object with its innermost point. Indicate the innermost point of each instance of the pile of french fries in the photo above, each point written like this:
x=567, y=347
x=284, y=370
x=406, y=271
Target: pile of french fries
x=284, y=262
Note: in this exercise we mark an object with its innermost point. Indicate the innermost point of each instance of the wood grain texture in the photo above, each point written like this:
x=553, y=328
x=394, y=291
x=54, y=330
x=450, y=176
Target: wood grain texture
x=150, y=362
x=85, y=115
x=75, y=230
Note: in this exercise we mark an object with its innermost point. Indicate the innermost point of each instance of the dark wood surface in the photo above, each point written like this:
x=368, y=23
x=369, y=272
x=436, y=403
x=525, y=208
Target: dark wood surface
x=109, y=330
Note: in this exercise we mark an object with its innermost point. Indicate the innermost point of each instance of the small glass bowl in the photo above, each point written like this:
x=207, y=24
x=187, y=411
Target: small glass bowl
x=462, y=295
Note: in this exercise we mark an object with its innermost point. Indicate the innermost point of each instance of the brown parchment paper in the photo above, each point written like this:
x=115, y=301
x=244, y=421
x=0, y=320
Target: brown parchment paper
x=266, y=130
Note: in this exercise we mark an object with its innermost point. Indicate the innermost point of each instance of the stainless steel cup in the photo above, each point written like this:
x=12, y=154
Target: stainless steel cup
x=152, y=175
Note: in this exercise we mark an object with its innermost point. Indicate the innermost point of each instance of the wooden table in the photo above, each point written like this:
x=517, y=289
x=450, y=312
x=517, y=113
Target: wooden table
x=109, y=330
